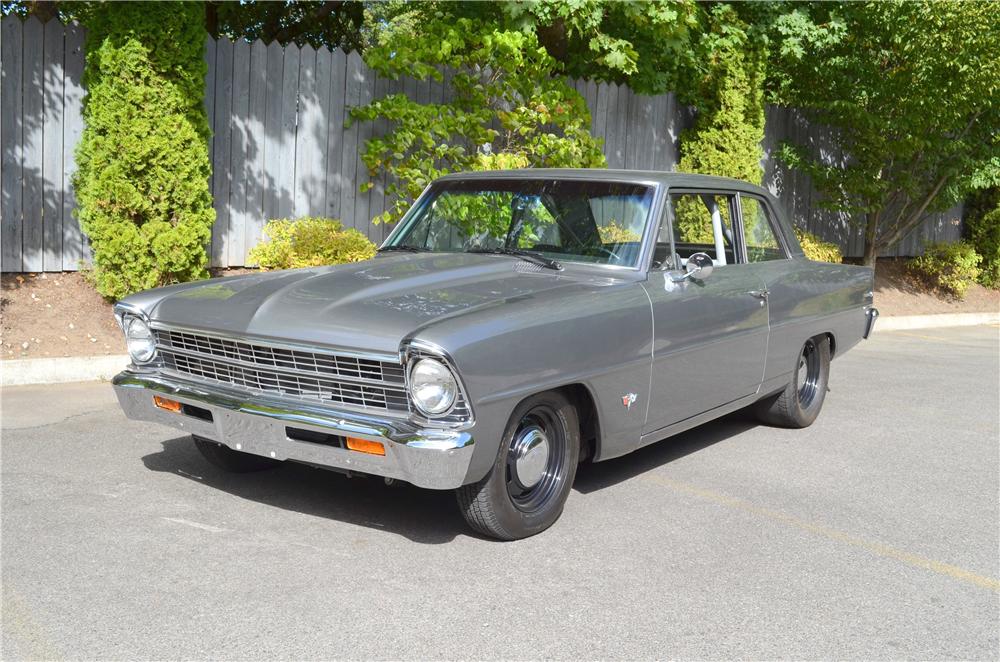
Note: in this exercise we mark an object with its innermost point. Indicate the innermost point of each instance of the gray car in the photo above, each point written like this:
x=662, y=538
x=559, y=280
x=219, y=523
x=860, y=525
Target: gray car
x=513, y=325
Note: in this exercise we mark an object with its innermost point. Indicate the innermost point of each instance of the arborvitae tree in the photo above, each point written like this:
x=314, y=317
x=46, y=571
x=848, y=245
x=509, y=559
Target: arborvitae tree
x=729, y=100
x=143, y=169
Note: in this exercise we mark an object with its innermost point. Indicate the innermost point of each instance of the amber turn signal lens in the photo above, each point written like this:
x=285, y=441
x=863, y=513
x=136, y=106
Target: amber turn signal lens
x=169, y=405
x=365, y=446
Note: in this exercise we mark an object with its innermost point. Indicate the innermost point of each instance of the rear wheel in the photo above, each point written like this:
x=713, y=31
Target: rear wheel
x=526, y=489
x=800, y=403
x=227, y=459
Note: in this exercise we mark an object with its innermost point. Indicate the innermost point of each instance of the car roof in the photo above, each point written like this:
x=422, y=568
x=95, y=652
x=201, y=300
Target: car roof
x=669, y=179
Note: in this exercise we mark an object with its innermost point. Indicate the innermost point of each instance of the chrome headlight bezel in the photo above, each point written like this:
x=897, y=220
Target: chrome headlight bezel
x=460, y=412
x=139, y=340
x=440, y=377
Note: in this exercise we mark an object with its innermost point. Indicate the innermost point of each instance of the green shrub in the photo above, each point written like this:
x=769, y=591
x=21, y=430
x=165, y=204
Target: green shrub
x=142, y=176
x=982, y=227
x=309, y=242
x=952, y=267
x=817, y=249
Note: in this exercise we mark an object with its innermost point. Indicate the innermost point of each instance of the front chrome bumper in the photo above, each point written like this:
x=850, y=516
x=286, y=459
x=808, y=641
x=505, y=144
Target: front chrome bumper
x=427, y=457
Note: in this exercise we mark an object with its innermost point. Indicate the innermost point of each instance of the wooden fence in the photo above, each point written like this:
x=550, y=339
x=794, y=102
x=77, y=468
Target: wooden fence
x=280, y=148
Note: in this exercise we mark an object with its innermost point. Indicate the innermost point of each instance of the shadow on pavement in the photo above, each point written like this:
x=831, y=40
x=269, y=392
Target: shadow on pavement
x=423, y=516
x=597, y=476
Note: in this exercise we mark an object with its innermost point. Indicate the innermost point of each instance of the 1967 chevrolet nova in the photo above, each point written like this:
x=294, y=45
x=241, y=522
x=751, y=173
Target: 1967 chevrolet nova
x=513, y=325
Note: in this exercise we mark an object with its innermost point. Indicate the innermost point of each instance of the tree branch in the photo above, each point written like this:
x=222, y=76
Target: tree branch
x=903, y=229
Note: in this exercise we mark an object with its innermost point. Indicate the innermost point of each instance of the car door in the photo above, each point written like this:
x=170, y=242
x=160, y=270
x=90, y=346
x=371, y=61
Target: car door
x=710, y=334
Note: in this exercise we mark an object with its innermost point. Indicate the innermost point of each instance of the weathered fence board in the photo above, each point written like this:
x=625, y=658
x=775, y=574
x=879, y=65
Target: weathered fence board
x=222, y=151
x=272, y=129
x=232, y=248
x=52, y=148
x=280, y=147
x=11, y=120
x=32, y=101
x=75, y=251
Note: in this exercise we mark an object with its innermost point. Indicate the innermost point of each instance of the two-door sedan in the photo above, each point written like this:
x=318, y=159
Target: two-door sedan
x=513, y=325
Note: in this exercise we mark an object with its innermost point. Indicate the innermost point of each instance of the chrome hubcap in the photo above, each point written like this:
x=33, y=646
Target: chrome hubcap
x=531, y=456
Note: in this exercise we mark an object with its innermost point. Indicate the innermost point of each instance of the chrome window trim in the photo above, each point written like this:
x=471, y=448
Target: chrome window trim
x=645, y=251
x=775, y=229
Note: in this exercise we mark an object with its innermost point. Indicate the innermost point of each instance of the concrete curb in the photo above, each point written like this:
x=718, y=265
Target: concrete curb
x=58, y=370
x=904, y=322
x=93, y=368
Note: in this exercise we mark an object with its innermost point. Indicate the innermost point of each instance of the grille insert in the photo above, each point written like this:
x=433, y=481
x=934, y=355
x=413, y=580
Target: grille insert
x=344, y=380
x=279, y=357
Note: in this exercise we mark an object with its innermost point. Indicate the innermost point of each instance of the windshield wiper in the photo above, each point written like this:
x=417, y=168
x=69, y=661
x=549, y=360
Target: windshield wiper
x=529, y=256
x=404, y=247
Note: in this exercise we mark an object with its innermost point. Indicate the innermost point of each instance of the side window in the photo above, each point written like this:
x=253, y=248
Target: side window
x=695, y=216
x=758, y=230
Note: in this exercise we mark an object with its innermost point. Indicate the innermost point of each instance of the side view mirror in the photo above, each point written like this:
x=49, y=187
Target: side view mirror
x=699, y=265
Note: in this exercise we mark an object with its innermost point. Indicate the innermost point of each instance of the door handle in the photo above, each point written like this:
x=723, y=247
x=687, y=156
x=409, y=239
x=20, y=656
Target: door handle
x=760, y=294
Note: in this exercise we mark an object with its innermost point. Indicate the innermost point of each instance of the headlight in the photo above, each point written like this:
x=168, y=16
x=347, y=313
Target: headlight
x=432, y=387
x=139, y=340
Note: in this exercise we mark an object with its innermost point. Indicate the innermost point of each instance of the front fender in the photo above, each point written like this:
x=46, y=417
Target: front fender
x=599, y=336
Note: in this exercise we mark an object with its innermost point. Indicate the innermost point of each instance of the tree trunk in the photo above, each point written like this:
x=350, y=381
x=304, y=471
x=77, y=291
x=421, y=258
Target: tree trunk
x=871, y=232
x=212, y=19
x=44, y=10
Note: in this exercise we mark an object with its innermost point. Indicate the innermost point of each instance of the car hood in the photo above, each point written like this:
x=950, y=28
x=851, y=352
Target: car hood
x=370, y=305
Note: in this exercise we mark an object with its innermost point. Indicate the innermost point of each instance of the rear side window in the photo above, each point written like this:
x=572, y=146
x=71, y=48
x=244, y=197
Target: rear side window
x=759, y=233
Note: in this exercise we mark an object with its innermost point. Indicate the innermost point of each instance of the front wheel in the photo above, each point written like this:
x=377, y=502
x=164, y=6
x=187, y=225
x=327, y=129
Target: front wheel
x=799, y=404
x=524, y=492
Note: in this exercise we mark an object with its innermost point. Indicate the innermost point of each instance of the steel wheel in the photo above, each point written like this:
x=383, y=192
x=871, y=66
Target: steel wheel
x=532, y=473
x=799, y=403
x=808, y=374
x=536, y=460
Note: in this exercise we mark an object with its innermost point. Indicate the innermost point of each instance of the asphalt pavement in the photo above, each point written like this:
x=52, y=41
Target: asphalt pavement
x=871, y=534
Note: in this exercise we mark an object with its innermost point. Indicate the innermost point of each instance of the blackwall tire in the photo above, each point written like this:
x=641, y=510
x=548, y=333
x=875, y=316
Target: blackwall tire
x=523, y=495
x=800, y=403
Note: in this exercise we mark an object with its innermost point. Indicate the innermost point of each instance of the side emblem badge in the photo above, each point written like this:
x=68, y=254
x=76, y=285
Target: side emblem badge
x=628, y=400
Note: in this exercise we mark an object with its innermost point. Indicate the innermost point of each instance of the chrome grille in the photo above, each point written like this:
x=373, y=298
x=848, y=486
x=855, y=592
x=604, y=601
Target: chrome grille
x=326, y=377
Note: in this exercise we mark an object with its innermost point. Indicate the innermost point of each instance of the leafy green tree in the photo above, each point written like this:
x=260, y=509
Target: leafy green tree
x=505, y=95
x=142, y=177
x=911, y=91
x=643, y=44
x=330, y=23
x=647, y=45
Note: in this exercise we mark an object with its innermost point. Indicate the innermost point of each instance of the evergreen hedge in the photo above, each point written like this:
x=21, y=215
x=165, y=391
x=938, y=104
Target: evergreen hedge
x=143, y=168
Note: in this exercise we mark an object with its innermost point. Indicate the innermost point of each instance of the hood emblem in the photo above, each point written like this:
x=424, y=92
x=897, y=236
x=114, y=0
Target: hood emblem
x=629, y=399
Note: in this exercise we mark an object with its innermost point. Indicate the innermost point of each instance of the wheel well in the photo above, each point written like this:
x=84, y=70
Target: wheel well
x=833, y=342
x=590, y=429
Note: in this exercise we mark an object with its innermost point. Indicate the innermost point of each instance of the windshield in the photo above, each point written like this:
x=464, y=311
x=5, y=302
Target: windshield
x=566, y=220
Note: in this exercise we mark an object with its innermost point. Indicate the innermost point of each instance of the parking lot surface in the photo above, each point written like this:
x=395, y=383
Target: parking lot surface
x=872, y=534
